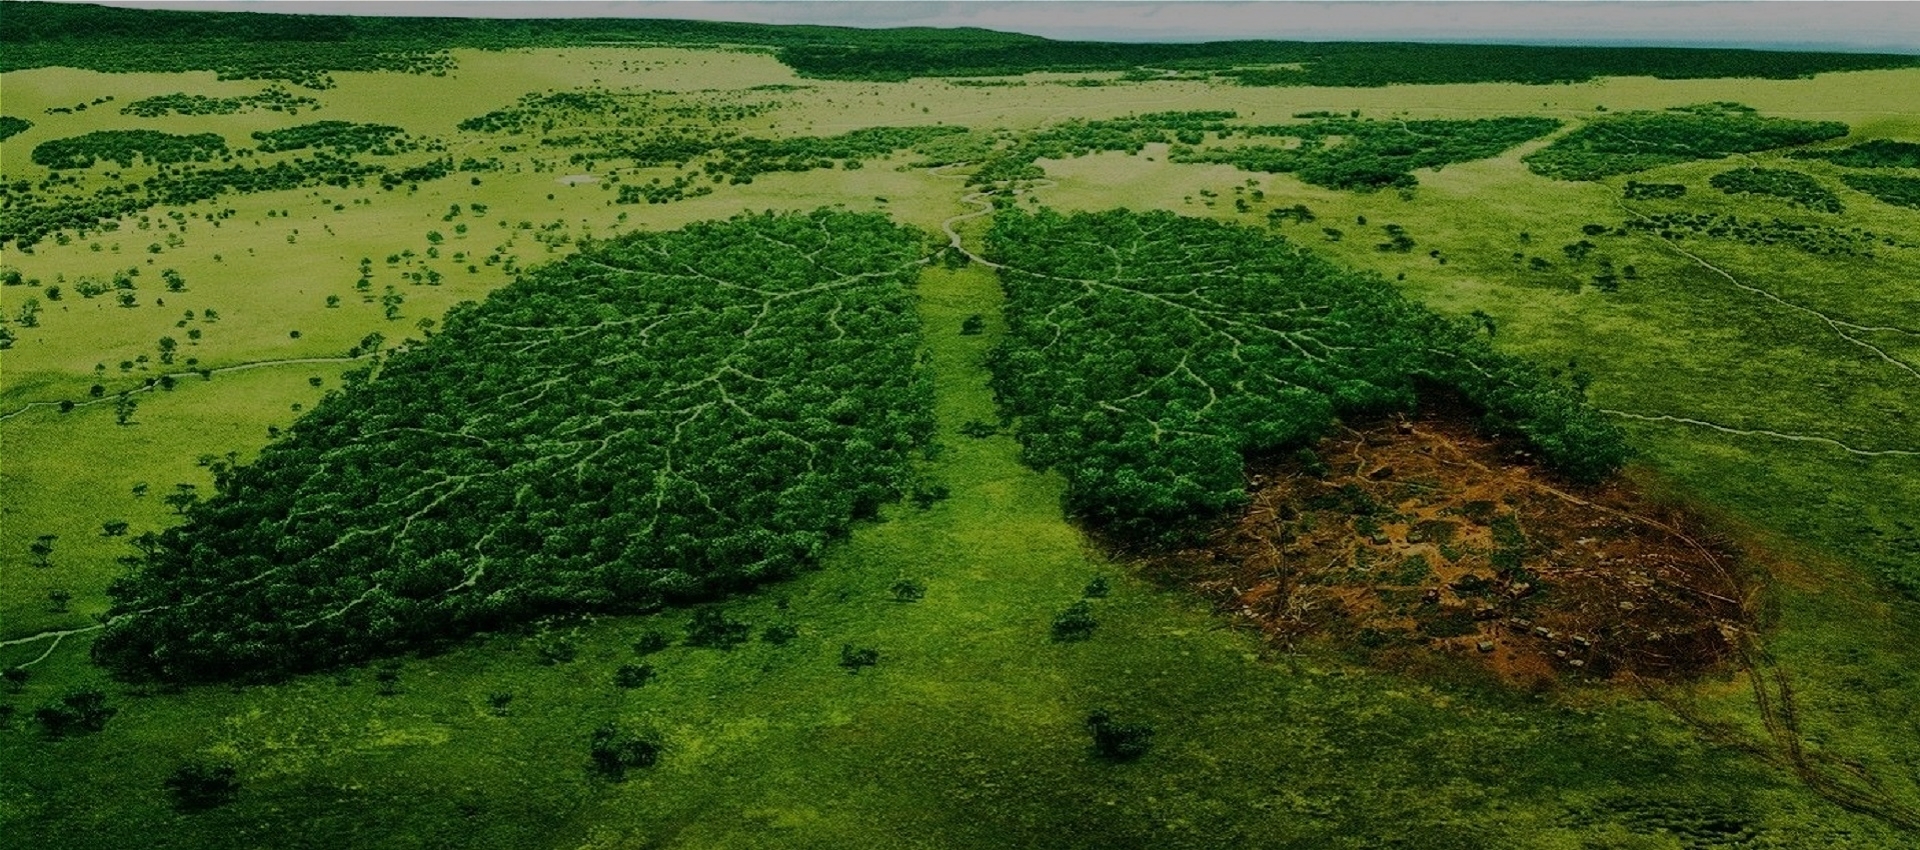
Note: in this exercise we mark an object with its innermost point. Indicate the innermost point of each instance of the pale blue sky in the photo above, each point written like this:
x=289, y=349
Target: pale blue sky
x=1891, y=26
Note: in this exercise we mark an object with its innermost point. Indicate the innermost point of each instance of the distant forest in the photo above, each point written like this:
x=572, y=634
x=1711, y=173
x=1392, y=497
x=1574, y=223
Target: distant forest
x=304, y=49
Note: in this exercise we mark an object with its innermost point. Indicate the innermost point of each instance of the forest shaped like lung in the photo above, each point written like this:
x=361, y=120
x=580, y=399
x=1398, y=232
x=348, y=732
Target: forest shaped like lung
x=1148, y=355
x=662, y=417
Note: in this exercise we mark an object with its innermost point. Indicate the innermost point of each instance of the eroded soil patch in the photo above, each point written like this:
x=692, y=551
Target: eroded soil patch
x=1418, y=532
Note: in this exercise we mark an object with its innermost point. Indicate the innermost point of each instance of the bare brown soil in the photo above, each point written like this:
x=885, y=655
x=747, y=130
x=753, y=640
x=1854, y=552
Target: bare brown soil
x=1417, y=534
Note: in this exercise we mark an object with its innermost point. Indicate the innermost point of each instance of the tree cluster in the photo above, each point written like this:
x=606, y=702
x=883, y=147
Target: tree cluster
x=1793, y=186
x=341, y=137
x=1281, y=63
x=1081, y=137
x=275, y=98
x=124, y=146
x=1636, y=141
x=1148, y=355
x=1373, y=154
x=661, y=418
x=1638, y=191
x=1811, y=238
x=1889, y=188
x=11, y=126
x=1878, y=153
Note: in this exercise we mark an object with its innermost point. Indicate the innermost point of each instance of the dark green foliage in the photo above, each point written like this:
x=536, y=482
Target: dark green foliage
x=1148, y=354
x=655, y=192
x=1318, y=64
x=1797, y=188
x=633, y=675
x=1638, y=191
x=779, y=634
x=1078, y=137
x=909, y=590
x=1878, y=153
x=303, y=48
x=615, y=751
x=1097, y=588
x=1636, y=141
x=16, y=678
x=1892, y=189
x=498, y=701
x=664, y=417
x=1812, y=238
x=11, y=126
x=554, y=648
x=124, y=146
x=275, y=98
x=1074, y=623
x=198, y=786
x=973, y=325
x=29, y=221
x=1373, y=154
x=82, y=710
x=854, y=659
x=341, y=137
x=1116, y=741
x=710, y=628
x=651, y=642
x=925, y=495
x=744, y=158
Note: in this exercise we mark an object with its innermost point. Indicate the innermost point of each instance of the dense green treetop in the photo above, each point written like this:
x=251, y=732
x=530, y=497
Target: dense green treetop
x=124, y=146
x=1877, y=153
x=663, y=417
x=1890, y=188
x=1635, y=141
x=1793, y=186
x=343, y=137
x=1373, y=154
x=303, y=48
x=11, y=126
x=1147, y=355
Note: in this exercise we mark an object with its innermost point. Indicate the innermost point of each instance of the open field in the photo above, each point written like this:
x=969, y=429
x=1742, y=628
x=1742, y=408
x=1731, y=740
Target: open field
x=1772, y=389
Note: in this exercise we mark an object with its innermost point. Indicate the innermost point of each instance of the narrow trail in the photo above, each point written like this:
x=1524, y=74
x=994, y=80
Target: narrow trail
x=979, y=199
x=238, y=367
x=1839, y=326
x=55, y=636
x=1761, y=432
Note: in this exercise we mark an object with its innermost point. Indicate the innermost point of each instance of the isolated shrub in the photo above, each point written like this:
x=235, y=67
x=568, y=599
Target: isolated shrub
x=196, y=786
x=81, y=710
x=1116, y=741
x=632, y=675
x=711, y=629
x=614, y=751
x=854, y=659
x=1075, y=623
x=651, y=642
x=909, y=590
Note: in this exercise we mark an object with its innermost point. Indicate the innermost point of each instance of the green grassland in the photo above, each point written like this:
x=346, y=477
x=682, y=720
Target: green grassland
x=1774, y=387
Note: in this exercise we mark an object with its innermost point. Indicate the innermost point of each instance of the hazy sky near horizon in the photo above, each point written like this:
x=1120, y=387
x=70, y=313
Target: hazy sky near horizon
x=1843, y=25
